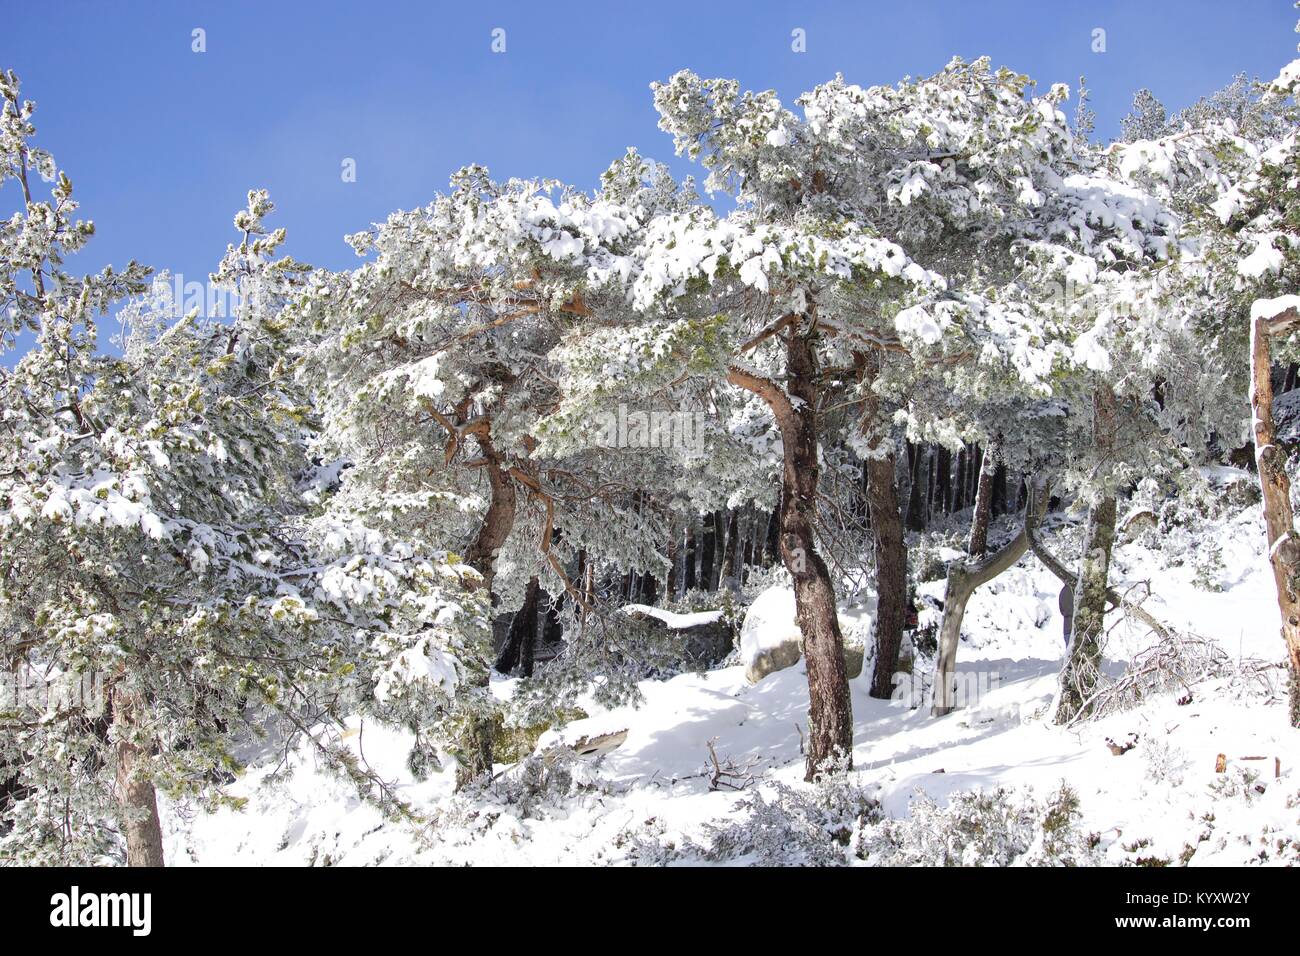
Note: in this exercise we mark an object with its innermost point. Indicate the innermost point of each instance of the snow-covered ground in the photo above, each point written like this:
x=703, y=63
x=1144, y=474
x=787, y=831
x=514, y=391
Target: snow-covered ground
x=1162, y=799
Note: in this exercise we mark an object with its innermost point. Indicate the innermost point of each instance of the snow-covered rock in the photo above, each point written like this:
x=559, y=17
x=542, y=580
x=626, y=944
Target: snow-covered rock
x=770, y=639
x=706, y=636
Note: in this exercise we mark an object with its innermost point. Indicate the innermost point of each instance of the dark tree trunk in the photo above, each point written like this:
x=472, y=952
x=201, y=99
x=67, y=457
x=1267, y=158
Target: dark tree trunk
x=979, y=522
x=649, y=588
x=916, y=494
x=136, y=797
x=891, y=573
x=730, y=572
x=958, y=500
x=523, y=631
x=692, y=555
x=708, y=552
x=943, y=478
x=999, y=504
x=553, y=630
x=1082, y=669
x=772, y=553
x=670, y=583
x=885, y=512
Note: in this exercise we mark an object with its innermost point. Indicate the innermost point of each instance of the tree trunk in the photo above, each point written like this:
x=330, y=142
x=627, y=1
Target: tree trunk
x=730, y=578
x=999, y=503
x=670, y=581
x=916, y=493
x=135, y=791
x=692, y=555
x=476, y=743
x=958, y=501
x=770, y=554
x=1275, y=485
x=649, y=588
x=979, y=522
x=523, y=631
x=708, y=552
x=830, y=713
x=891, y=573
x=964, y=577
x=553, y=630
x=886, y=519
x=1082, y=669
x=942, y=479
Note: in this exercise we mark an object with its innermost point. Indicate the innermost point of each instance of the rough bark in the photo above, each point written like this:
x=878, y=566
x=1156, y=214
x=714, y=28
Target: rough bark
x=1082, y=668
x=830, y=714
x=979, y=522
x=964, y=577
x=1275, y=485
x=135, y=791
x=886, y=519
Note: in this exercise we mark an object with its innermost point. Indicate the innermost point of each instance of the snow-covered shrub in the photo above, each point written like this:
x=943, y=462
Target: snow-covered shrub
x=1238, y=783
x=820, y=824
x=1165, y=762
x=984, y=828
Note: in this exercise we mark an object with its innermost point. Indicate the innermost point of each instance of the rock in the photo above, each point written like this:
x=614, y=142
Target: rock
x=705, y=638
x=770, y=639
x=854, y=655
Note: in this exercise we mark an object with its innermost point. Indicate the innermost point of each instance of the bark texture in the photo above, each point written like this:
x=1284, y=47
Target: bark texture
x=135, y=791
x=886, y=520
x=979, y=522
x=891, y=573
x=1275, y=485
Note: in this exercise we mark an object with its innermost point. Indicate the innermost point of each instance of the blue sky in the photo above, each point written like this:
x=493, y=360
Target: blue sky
x=162, y=142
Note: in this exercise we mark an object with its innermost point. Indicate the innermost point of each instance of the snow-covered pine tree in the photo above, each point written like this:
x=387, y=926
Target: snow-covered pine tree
x=432, y=366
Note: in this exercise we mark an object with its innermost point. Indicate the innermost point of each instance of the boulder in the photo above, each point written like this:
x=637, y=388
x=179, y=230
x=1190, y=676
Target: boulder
x=770, y=639
x=705, y=638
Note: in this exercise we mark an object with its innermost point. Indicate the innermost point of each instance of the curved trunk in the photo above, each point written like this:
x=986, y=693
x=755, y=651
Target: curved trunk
x=964, y=577
x=135, y=791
